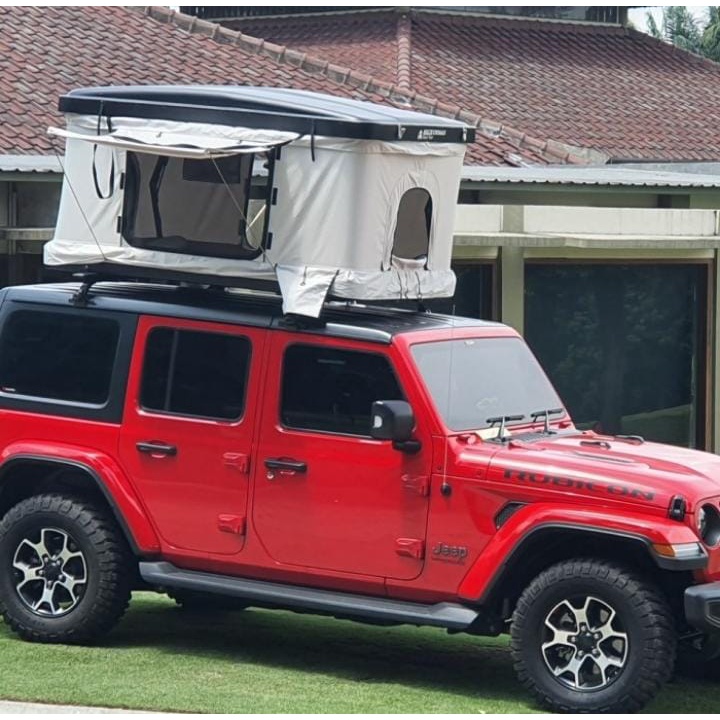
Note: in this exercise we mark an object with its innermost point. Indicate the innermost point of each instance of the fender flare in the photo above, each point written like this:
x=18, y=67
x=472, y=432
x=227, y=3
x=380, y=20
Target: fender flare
x=524, y=527
x=109, y=479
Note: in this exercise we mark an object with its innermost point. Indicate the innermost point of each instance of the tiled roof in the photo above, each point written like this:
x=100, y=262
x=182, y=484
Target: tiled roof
x=608, y=88
x=44, y=52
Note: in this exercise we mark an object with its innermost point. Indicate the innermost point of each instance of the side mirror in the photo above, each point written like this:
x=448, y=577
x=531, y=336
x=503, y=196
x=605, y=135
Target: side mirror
x=394, y=420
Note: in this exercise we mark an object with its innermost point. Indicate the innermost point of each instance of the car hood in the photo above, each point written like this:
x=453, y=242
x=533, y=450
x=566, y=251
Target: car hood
x=604, y=467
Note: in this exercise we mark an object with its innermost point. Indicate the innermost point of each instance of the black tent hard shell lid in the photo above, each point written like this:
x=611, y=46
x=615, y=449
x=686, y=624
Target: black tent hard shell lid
x=286, y=109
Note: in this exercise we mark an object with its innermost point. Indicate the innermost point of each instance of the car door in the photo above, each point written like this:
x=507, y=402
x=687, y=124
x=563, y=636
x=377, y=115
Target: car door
x=188, y=429
x=326, y=494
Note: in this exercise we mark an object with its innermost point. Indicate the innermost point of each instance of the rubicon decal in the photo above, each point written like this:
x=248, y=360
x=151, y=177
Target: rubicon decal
x=561, y=481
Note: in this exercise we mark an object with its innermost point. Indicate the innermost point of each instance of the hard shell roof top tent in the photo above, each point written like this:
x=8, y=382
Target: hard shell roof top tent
x=230, y=185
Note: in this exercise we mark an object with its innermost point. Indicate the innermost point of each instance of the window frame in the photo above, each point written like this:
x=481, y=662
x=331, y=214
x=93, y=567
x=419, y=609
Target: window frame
x=317, y=346
x=187, y=416
x=111, y=411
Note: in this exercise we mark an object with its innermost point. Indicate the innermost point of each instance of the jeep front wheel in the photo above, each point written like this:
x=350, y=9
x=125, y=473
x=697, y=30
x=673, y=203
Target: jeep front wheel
x=64, y=570
x=590, y=636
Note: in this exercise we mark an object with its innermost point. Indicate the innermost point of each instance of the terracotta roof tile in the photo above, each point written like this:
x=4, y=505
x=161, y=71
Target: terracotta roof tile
x=605, y=88
x=44, y=52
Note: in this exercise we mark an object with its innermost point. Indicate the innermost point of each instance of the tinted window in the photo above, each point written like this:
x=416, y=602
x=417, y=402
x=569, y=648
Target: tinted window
x=333, y=390
x=195, y=373
x=58, y=356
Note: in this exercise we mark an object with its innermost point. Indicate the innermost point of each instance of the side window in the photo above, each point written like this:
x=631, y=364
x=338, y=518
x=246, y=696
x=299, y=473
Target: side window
x=414, y=221
x=58, y=356
x=200, y=374
x=333, y=390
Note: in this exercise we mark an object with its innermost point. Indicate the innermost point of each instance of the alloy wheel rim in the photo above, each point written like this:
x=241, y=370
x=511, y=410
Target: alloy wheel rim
x=585, y=645
x=50, y=572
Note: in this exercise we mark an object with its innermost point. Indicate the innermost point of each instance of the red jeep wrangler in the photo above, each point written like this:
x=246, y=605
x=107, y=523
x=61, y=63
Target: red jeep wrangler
x=386, y=466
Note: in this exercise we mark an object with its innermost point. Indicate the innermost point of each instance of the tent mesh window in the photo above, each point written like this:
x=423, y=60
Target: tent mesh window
x=208, y=207
x=414, y=220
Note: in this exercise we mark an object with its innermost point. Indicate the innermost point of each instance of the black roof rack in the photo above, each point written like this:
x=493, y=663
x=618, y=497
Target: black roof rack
x=298, y=111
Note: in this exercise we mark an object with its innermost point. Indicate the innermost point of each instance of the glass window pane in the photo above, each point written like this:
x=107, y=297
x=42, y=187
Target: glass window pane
x=58, y=356
x=623, y=344
x=199, y=374
x=473, y=381
x=333, y=390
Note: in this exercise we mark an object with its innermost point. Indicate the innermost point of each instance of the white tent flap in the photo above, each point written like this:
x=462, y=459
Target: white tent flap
x=183, y=146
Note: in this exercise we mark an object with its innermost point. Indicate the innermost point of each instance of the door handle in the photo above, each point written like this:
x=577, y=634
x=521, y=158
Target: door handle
x=294, y=466
x=156, y=448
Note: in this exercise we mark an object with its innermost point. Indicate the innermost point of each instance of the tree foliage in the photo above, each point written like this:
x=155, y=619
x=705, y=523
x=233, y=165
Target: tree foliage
x=681, y=28
x=711, y=35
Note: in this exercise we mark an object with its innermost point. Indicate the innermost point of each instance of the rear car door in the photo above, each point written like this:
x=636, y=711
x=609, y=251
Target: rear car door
x=188, y=429
x=327, y=495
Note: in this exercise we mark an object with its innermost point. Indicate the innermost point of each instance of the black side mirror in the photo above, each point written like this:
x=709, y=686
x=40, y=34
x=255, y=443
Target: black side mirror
x=394, y=420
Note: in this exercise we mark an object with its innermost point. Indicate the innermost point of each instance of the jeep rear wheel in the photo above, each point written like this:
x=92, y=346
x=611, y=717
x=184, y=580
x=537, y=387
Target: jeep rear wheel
x=590, y=636
x=64, y=570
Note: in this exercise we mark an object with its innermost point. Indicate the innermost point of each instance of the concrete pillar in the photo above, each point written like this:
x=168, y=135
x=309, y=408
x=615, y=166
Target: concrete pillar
x=512, y=271
x=714, y=340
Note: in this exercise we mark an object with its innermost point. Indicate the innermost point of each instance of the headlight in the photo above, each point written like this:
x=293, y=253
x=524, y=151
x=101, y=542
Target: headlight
x=707, y=520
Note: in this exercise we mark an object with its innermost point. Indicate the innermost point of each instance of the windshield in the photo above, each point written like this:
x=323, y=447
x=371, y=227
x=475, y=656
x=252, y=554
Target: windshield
x=472, y=380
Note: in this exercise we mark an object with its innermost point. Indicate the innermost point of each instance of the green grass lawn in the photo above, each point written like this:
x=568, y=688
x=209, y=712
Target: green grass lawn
x=258, y=661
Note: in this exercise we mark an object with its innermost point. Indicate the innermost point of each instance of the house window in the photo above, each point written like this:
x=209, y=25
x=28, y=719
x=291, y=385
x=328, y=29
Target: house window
x=412, y=230
x=56, y=356
x=196, y=207
x=199, y=374
x=333, y=390
x=624, y=344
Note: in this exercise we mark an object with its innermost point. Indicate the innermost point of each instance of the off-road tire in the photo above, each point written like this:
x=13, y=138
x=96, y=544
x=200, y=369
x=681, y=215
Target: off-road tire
x=107, y=560
x=640, y=608
x=206, y=602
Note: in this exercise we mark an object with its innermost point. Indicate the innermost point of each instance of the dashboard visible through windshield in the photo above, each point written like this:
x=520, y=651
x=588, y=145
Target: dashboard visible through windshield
x=475, y=381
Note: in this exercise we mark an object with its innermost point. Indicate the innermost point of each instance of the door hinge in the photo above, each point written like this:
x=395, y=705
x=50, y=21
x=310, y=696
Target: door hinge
x=234, y=524
x=419, y=484
x=237, y=460
x=410, y=547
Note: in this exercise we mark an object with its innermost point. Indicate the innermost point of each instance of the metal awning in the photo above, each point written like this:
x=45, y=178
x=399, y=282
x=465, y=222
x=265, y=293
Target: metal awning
x=597, y=175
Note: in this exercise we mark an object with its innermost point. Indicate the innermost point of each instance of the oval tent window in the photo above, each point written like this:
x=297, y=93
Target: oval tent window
x=412, y=230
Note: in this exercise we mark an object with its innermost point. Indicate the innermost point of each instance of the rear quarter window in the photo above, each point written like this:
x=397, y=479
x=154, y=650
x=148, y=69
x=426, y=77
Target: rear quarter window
x=58, y=356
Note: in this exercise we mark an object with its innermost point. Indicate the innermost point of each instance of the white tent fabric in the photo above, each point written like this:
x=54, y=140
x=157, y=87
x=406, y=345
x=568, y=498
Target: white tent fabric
x=332, y=225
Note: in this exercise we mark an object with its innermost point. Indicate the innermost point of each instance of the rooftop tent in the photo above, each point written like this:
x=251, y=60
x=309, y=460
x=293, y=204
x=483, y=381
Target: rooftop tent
x=227, y=185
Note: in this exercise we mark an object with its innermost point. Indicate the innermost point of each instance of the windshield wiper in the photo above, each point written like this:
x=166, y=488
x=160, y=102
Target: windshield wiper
x=502, y=419
x=546, y=413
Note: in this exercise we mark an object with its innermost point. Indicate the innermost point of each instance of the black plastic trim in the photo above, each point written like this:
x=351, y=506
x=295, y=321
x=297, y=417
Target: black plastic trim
x=447, y=615
x=699, y=600
x=112, y=410
x=28, y=458
x=665, y=563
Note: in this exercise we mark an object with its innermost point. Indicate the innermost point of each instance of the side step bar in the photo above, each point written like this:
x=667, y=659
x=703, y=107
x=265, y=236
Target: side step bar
x=447, y=615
